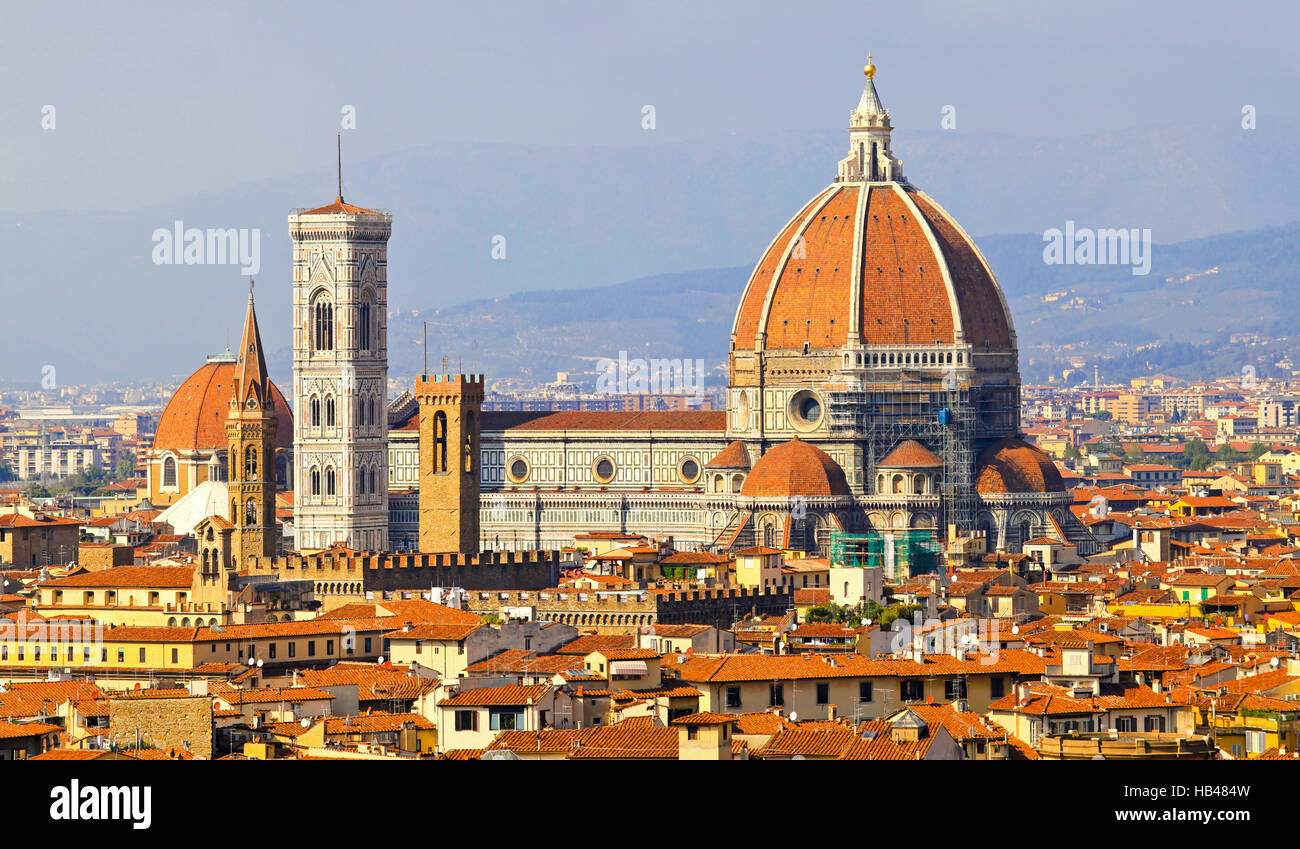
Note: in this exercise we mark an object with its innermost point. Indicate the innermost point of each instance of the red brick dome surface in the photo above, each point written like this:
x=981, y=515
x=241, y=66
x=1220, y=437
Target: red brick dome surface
x=1014, y=466
x=195, y=417
x=795, y=468
x=913, y=277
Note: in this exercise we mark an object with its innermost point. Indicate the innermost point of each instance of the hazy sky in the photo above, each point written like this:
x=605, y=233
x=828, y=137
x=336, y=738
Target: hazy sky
x=156, y=101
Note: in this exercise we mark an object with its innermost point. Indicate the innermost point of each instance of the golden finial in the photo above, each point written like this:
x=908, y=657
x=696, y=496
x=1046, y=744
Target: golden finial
x=870, y=70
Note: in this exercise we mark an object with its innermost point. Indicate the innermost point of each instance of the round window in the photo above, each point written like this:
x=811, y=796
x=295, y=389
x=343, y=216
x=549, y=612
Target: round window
x=604, y=470
x=518, y=469
x=805, y=410
x=689, y=470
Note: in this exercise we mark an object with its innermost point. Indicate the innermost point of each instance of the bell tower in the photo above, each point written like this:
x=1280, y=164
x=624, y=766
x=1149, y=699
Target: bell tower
x=450, y=413
x=250, y=437
x=340, y=375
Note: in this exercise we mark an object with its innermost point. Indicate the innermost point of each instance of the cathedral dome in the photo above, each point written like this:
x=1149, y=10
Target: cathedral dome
x=871, y=260
x=195, y=417
x=1014, y=466
x=795, y=468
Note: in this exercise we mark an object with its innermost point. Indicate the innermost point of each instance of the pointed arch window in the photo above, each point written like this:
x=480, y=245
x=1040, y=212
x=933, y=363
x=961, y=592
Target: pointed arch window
x=250, y=463
x=250, y=512
x=469, y=442
x=315, y=481
x=440, y=442
x=366, y=319
x=315, y=411
x=329, y=480
x=323, y=325
x=329, y=411
x=373, y=490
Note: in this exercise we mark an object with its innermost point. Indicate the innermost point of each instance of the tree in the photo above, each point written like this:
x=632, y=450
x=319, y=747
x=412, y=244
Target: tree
x=36, y=489
x=125, y=466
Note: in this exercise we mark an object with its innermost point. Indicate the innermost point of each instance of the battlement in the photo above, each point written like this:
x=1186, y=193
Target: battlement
x=377, y=572
x=449, y=384
x=355, y=561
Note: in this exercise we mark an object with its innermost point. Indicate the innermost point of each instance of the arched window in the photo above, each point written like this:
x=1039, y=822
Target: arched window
x=373, y=412
x=315, y=481
x=439, y=441
x=323, y=326
x=281, y=471
x=364, y=329
x=329, y=411
x=250, y=512
x=469, y=442
x=250, y=463
x=329, y=480
x=169, y=471
x=373, y=478
x=315, y=411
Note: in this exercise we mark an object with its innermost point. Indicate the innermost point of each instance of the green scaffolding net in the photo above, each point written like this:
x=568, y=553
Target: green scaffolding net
x=898, y=554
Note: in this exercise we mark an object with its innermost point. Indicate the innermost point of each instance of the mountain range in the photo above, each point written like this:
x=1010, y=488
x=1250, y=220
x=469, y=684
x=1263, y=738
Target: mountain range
x=579, y=222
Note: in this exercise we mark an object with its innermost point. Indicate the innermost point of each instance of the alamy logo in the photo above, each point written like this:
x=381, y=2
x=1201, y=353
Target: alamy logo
x=93, y=802
x=637, y=376
x=213, y=246
x=1085, y=246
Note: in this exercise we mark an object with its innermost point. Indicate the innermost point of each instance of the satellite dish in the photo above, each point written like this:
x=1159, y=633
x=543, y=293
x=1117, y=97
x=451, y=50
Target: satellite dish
x=1015, y=629
x=305, y=723
x=794, y=627
x=794, y=716
x=798, y=758
x=381, y=658
x=259, y=663
x=1273, y=663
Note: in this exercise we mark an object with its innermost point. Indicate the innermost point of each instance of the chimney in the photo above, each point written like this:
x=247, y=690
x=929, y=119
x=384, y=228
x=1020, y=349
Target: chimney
x=1022, y=693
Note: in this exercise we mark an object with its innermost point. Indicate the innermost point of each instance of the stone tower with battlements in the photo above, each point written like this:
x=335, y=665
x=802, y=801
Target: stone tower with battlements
x=450, y=414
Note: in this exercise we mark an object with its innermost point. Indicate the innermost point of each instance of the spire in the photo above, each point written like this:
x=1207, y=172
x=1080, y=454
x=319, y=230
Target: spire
x=870, y=158
x=340, y=162
x=869, y=105
x=250, y=371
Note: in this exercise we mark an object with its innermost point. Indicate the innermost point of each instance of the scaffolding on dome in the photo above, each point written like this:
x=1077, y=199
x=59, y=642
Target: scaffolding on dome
x=898, y=554
x=941, y=414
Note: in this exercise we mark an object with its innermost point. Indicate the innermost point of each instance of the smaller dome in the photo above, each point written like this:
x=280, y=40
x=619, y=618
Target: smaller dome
x=1012, y=465
x=734, y=456
x=910, y=454
x=795, y=468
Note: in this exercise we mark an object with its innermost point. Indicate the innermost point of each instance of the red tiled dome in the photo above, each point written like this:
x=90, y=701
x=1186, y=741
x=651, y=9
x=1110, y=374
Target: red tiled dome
x=919, y=278
x=1012, y=465
x=195, y=417
x=910, y=454
x=795, y=468
x=734, y=456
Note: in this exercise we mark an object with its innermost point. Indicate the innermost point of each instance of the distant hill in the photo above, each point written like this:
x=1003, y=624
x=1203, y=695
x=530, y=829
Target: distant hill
x=1199, y=293
x=91, y=302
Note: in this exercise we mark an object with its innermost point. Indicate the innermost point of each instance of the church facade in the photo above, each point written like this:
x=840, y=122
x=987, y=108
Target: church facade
x=873, y=385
